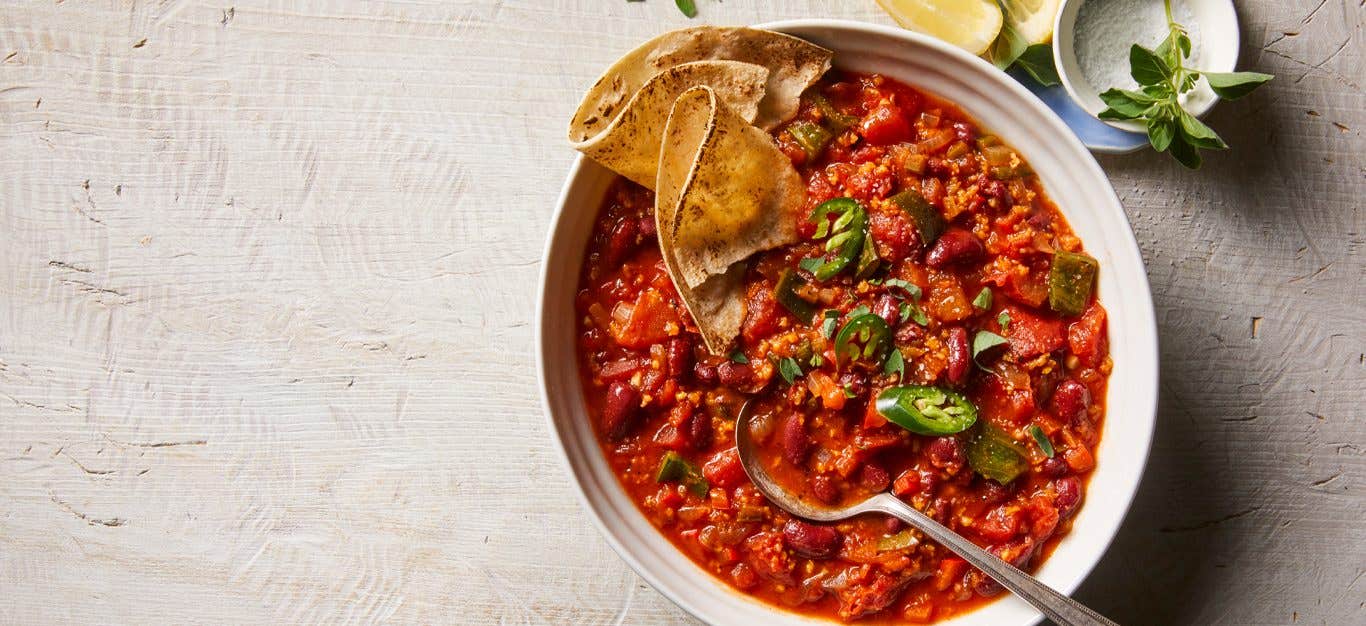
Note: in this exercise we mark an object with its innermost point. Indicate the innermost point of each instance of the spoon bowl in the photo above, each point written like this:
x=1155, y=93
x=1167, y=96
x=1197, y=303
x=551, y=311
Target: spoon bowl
x=1061, y=609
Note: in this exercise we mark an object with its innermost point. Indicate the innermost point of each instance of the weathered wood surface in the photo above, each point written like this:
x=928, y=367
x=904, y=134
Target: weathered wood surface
x=266, y=311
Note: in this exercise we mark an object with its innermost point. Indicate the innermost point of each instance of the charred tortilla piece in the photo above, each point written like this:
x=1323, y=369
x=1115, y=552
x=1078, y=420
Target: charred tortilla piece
x=629, y=145
x=793, y=64
x=724, y=192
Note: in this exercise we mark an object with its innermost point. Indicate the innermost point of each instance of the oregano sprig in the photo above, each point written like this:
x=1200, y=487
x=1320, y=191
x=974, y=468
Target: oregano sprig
x=1162, y=77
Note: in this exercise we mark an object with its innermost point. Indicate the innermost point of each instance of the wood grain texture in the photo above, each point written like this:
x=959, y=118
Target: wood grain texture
x=267, y=275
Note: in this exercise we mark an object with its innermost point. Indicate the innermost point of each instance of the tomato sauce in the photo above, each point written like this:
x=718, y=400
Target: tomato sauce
x=658, y=397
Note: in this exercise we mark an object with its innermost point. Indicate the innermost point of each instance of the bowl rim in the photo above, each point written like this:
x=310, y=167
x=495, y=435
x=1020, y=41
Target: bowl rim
x=1065, y=22
x=1146, y=319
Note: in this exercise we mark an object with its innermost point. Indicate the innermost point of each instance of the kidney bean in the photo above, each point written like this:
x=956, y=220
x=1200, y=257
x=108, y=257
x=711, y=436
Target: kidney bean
x=993, y=493
x=960, y=357
x=679, y=356
x=1053, y=467
x=823, y=487
x=623, y=238
x=647, y=227
x=1069, y=495
x=793, y=440
x=694, y=425
x=946, y=453
x=874, y=478
x=735, y=375
x=886, y=308
x=810, y=540
x=964, y=131
x=704, y=373
x=1070, y=400
x=954, y=246
x=909, y=333
x=855, y=382
x=620, y=412
x=893, y=524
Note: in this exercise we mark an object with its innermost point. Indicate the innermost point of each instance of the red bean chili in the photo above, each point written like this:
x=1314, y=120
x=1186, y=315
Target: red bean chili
x=952, y=301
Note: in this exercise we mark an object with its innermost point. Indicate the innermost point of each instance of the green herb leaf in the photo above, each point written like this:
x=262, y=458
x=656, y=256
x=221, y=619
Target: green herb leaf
x=1186, y=154
x=688, y=7
x=811, y=264
x=1004, y=320
x=861, y=309
x=1125, y=105
x=1169, y=52
x=1037, y=60
x=911, y=290
x=1146, y=67
x=1008, y=47
x=1161, y=131
x=983, y=341
x=895, y=364
x=789, y=369
x=1198, y=134
x=830, y=324
x=849, y=393
x=983, y=299
x=1040, y=438
x=1234, y=85
x=738, y=356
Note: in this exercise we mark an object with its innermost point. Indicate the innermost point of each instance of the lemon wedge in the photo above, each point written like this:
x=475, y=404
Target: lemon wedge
x=969, y=24
x=1032, y=19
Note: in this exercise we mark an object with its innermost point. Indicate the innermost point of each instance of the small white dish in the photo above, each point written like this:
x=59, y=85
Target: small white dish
x=1218, y=40
x=1075, y=183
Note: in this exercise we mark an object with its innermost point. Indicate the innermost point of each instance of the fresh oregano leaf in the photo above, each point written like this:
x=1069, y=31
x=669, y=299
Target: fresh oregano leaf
x=1146, y=67
x=1200, y=135
x=1234, y=85
x=1037, y=60
x=1161, y=131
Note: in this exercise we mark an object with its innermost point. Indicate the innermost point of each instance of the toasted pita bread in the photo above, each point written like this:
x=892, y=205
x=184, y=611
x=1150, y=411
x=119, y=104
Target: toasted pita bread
x=724, y=192
x=740, y=192
x=629, y=144
x=794, y=64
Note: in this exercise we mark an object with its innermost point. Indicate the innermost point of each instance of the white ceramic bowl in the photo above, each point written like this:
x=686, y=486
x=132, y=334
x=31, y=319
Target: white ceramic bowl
x=1073, y=180
x=1217, y=40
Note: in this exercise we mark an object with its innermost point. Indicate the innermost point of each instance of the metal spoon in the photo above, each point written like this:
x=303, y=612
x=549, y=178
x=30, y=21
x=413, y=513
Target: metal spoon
x=1059, y=608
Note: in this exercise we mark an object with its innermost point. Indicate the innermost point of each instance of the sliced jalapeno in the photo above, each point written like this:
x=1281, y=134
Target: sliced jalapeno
x=847, y=233
x=1070, y=282
x=786, y=293
x=924, y=410
x=993, y=454
x=928, y=222
x=864, y=337
x=675, y=468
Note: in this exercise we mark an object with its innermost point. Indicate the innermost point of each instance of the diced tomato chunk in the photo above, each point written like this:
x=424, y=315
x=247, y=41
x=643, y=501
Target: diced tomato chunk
x=892, y=234
x=885, y=124
x=761, y=315
x=1004, y=407
x=724, y=469
x=1086, y=336
x=1001, y=524
x=649, y=322
x=1031, y=334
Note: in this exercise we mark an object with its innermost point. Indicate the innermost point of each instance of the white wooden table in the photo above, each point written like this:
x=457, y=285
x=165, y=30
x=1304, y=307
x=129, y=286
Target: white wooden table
x=267, y=273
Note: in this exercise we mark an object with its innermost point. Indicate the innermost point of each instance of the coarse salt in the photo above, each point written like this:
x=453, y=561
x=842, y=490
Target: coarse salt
x=1105, y=30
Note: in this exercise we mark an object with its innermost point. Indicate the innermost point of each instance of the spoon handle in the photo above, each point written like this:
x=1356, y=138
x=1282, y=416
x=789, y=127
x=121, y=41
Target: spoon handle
x=1059, y=608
